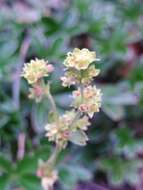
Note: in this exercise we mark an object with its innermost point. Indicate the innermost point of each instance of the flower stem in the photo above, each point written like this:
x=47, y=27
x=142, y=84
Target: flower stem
x=53, y=158
x=52, y=102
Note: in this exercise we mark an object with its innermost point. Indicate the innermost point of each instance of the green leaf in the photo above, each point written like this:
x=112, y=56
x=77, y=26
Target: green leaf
x=5, y=164
x=115, y=112
x=30, y=182
x=78, y=138
x=71, y=174
x=4, y=119
x=54, y=50
x=51, y=25
x=66, y=177
x=82, y=6
x=4, y=179
x=115, y=98
x=63, y=100
x=119, y=169
x=27, y=165
x=40, y=115
x=126, y=143
x=8, y=48
x=43, y=152
x=124, y=137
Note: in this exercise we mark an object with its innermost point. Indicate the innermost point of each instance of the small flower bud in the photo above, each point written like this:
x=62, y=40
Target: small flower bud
x=37, y=93
x=50, y=68
x=47, y=182
x=40, y=172
x=83, y=108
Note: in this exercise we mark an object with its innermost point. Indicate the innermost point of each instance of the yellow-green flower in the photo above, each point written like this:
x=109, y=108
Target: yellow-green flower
x=89, y=74
x=80, y=59
x=73, y=76
x=35, y=70
x=89, y=101
x=67, y=123
x=68, y=80
x=59, y=131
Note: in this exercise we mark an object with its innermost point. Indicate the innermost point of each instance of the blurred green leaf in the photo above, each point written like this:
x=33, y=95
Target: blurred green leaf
x=30, y=182
x=126, y=143
x=51, y=25
x=4, y=181
x=27, y=166
x=120, y=170
x=71, y=174
x=5, y=164
x=78, y=138
x=4, y=119
x=113, y=111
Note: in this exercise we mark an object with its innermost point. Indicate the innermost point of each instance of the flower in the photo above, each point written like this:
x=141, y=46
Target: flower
x=87, y=100
x=82, y=123
x=68, y=80
x=59, y=132
x=88, y=74
x=47, y=173
x=35, y=70
x=50, y=68
x=73, y=76
x=80, y=59
x=37, y=93
x=47, y=182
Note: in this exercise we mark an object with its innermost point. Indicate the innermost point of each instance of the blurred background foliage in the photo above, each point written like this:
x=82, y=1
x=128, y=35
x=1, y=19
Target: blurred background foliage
x=48, y=29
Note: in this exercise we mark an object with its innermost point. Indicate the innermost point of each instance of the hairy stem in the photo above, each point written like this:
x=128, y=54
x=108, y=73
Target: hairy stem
x=52, y=101
x=53, y=158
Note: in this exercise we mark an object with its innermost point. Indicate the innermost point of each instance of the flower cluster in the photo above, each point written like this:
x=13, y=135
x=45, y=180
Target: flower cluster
x=48, y=176
x=72, y=125
x=80, y=59
x=87, y=100
x=79, y=68
x=60, y=130
x=48, y=181
x=34, y=72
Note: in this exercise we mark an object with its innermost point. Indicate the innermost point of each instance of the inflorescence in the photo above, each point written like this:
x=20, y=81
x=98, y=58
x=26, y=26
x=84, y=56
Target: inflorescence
x=71, y=126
